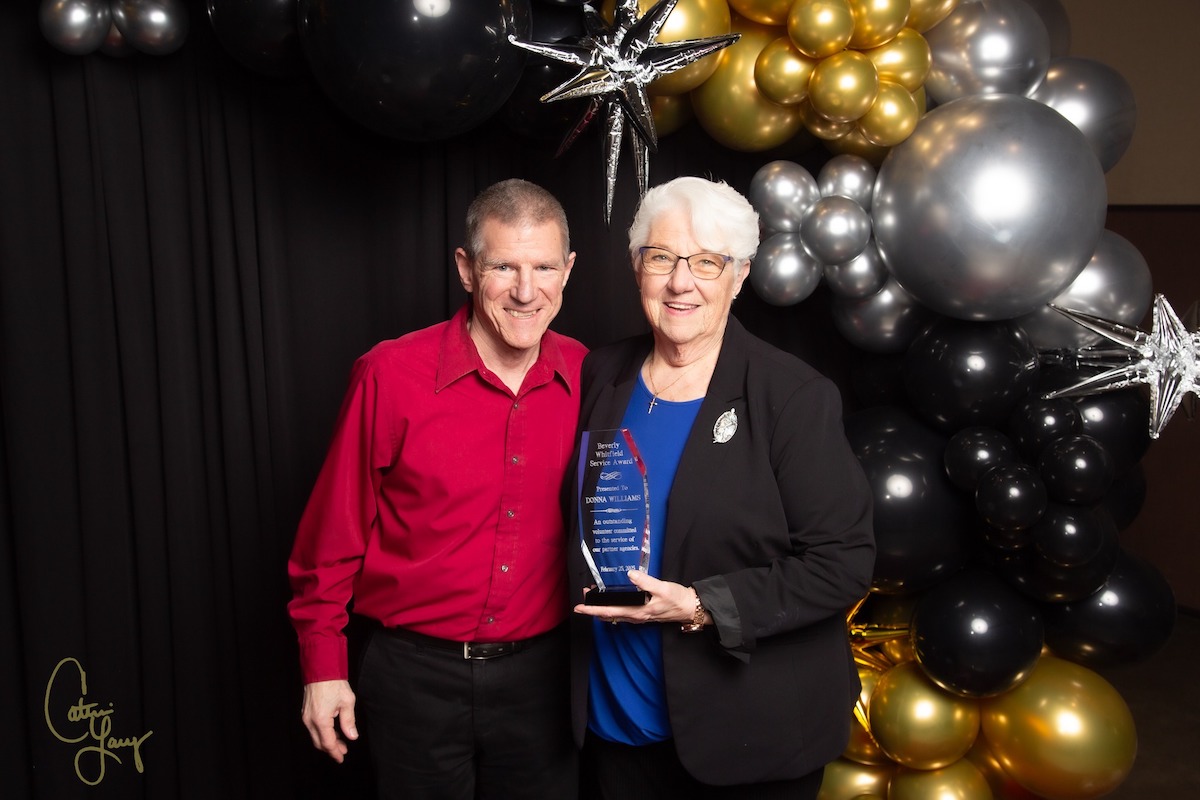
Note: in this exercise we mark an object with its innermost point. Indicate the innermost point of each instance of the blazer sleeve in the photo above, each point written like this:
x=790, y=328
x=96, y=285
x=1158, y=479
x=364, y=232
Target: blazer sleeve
x=813, y=486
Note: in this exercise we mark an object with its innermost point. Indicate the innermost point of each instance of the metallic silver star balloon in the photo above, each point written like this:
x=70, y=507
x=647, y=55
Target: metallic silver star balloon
x=1167, y=359
x=616, y=63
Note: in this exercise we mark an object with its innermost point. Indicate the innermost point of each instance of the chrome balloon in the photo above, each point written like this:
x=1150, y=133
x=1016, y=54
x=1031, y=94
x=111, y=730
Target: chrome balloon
x=885, y=322
x=783, y=273
x=850, y=176
x=835, y=229
x=861, y=276
x=76, y=27
x=991, y=208
x=988, y=47
x=783, y=192
x=1097, y=99
x=1115, y=284
x=157, y=27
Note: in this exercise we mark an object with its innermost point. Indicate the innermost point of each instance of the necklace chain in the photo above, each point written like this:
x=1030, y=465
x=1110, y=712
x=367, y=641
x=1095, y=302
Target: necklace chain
x=654, y=392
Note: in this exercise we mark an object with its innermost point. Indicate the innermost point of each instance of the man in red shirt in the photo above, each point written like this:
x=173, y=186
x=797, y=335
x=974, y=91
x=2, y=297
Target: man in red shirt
x=437, y=512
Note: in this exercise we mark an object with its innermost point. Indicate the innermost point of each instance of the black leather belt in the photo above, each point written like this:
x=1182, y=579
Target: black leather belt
x=473, y=651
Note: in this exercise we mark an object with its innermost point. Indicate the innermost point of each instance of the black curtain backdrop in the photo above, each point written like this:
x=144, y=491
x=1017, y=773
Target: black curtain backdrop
x=191, y=255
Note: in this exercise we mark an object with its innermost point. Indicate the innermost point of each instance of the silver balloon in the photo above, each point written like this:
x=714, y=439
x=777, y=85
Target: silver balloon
x=783, y=274
x=1115, y=285
x=990, y=208
x=76, y=27
x=862, y=276
x=782, y=192
x=835, y=229
x=1058, y=25
x=1097, y=99
x=988, y=47
x=850, y=176
x=157, y=27
x=885, y=322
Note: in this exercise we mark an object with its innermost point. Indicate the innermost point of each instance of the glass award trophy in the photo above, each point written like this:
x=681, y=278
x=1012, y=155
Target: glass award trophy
x=614, y=515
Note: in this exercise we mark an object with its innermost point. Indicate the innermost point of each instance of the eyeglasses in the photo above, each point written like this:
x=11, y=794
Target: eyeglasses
x=705, y=266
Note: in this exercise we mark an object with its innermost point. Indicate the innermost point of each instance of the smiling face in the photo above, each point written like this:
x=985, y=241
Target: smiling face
x=687, y=312
x=516, y=283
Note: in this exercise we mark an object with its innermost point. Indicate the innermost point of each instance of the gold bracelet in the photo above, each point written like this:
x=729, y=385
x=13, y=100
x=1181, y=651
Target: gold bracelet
x=697, y=623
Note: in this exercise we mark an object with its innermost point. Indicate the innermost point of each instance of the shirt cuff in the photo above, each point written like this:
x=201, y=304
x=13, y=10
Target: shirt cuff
x=324, y=658
x=717, y=599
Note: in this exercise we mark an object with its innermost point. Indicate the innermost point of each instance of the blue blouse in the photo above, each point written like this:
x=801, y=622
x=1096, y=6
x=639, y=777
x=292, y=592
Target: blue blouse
x=626, y=693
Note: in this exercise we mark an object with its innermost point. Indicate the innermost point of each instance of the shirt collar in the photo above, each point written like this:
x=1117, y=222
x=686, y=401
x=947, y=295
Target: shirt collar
x=460, y=357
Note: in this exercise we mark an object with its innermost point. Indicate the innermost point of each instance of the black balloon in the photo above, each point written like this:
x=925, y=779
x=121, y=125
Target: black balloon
x=1129, y=618
x=1040, y=579
x=974, y=636
x=973, y=451
x=260, y=34
x=1119, y=420
x=415, y=71
x=1076, y=469
x=1010, y=497
x=961, y=374
x=922, y=522
x=1036, y=422
x=525, y=113
x=1071, y=536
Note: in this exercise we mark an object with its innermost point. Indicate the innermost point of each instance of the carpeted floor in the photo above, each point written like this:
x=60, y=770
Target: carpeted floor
x=1162, y=694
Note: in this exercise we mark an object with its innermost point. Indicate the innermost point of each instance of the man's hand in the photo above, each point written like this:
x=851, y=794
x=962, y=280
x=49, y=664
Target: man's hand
x=325, y=702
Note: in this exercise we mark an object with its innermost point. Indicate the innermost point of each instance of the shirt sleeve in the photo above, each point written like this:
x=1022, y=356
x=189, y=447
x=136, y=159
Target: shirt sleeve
x=336, y=526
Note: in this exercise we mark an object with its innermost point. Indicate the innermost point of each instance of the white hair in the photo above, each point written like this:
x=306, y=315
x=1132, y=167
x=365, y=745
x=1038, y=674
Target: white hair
x=722, y=220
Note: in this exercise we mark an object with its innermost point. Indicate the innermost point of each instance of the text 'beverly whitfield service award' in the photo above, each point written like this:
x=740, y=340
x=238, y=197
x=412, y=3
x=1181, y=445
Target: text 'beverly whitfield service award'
x=614, y=515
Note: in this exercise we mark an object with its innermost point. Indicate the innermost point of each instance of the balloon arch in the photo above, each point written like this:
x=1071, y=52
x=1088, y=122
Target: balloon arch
x=958, y=223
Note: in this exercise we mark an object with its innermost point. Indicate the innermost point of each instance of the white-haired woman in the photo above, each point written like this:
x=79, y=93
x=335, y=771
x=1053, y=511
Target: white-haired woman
x=734, y=679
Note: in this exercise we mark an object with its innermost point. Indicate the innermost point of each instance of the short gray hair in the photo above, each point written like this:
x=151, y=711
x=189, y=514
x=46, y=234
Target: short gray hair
x=514, y=202
x=721, y=218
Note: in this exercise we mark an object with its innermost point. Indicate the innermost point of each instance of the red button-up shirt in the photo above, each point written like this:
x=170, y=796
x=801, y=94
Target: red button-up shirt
x=438, y=505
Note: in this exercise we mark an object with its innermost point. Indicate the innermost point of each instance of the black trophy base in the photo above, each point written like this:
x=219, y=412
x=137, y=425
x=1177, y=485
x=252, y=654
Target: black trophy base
x=629, y=597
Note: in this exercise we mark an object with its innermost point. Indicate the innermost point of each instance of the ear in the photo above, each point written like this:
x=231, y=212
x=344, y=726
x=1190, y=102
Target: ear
x=741, y=278
x=567, y=271
x=466, y=270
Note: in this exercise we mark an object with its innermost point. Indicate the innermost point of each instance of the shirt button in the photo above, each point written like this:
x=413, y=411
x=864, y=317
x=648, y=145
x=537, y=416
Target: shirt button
x=491, y=620
x=516, y=406
x=511, y=513
x=504, y=567
x=515, y=459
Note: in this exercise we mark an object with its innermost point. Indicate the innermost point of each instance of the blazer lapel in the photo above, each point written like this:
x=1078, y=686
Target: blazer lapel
x=700, y=467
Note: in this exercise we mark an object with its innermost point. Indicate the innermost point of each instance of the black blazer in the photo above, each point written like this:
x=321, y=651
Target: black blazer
x=773, y=529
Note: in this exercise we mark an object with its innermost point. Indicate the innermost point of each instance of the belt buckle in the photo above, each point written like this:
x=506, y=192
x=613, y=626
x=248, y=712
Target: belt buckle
x=498, y=649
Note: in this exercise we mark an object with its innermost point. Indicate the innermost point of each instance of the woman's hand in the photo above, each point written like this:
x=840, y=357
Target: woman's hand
x=669, y=602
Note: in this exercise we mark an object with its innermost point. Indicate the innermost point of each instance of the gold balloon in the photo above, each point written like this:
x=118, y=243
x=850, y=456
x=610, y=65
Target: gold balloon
x=924, y=14
x=781, y=72
x=917, y=723
x=671, y=112
x=1002, y=785
x=854, y=144
x=959, y=781
x=862, y=747
x=843, y=86
x=820, y=126
x=892, y=117
x=767, y=12
x=846, y=780
x=729, y=106
x=691, y=19
x=1064, y=732
x=876, y=21
x=820, y=28
x=905, y=60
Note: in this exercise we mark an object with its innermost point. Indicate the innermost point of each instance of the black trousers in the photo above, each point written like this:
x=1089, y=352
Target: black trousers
x=441, y=727
x=610, y=771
